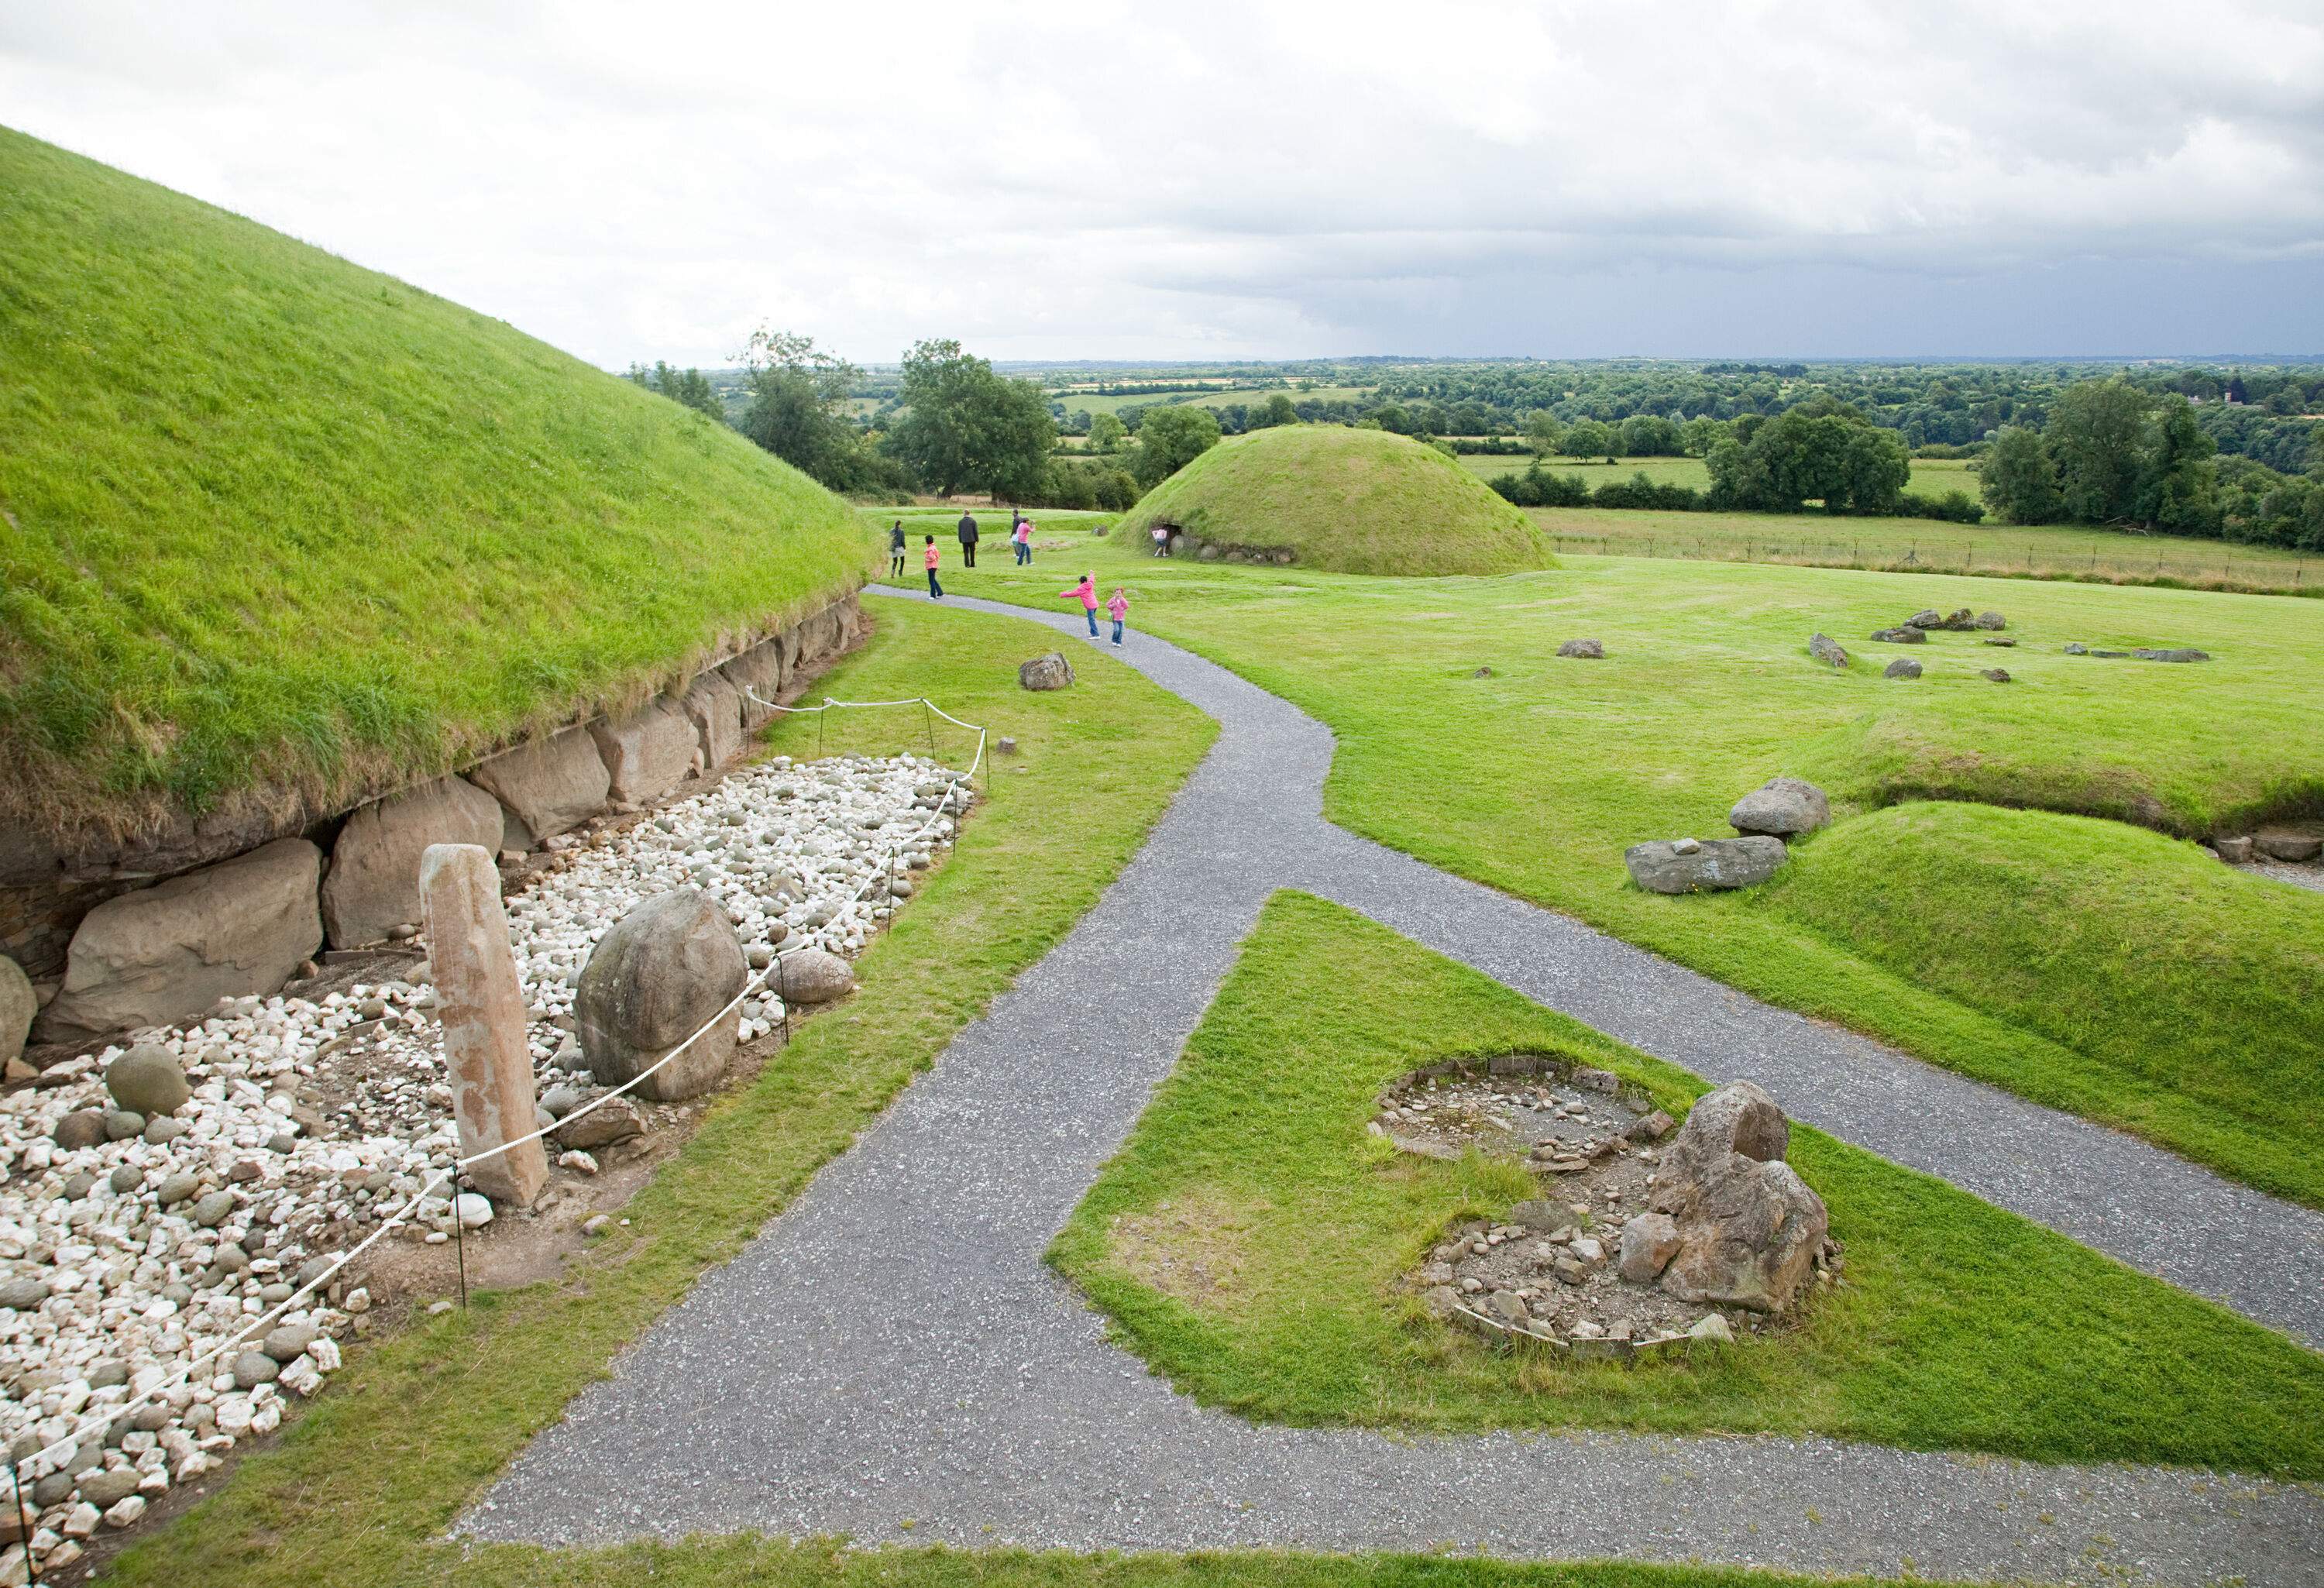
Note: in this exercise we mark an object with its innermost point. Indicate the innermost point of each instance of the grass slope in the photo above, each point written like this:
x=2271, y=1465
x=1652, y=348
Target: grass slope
x=1533, y=780
x=1346, y=500
x=1961, y=1326
x=362, y=1487
x=273, y=520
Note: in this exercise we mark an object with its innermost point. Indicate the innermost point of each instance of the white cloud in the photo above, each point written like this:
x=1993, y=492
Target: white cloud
x=1200, y=181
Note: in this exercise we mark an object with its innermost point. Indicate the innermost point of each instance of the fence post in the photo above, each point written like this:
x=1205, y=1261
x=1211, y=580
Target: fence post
x=480, y=1006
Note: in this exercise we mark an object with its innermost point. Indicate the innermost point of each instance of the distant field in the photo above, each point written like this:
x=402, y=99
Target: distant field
x=1931, y=476
x=1216, y=399
x=2053, y=552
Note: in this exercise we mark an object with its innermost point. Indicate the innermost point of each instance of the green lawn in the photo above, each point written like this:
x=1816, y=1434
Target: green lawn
x=270, y=521
x=360, y=1489
x=1533, y=780
x=1959, y=1327
x=1931, y=476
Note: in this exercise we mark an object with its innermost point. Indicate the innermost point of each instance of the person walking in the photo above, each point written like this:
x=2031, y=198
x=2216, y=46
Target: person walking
x=1023, y=535
x=896, y=550
x=968, y=539
x=1087, y=594
x=929, y=558
x=1117, y=608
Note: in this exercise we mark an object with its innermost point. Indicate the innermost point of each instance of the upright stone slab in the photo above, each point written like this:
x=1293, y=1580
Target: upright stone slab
x=714, y=707
x=482, y=1006
x=648, y=754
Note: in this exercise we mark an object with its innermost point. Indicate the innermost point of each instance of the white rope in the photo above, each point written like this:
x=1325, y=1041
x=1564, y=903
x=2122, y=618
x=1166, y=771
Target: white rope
x=112, y=1414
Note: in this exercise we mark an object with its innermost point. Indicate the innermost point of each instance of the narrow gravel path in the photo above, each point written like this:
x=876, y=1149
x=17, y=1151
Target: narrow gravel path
x=892, y=1350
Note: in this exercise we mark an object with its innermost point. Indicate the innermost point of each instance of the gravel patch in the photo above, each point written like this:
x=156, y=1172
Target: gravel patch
x=892, y=1360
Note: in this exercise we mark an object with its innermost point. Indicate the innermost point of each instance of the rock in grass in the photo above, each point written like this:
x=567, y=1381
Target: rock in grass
x=1590, y=649
x=1928, y=617
x=148, y=1080
x=1991, y=619
x=1904, y=667
x=1660, y=867
x=1999, y=675
x=1826, y=650
x=1907, y=635
x=1051, y=672
x=1784, y=808
x=2181, y=655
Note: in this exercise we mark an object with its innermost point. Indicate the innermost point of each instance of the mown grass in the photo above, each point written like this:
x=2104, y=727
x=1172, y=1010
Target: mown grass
x=362, y=1487
x=274, y=522
x=1535, y=780
x=1920, y=545
x=1348, y=499
x=1959, y=1327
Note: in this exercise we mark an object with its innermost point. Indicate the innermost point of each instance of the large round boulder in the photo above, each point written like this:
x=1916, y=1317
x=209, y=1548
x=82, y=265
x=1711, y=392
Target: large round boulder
x=1784, y=808
x=811, y=975
x=1051, y=672
x=666, y=968
x=148, y=1080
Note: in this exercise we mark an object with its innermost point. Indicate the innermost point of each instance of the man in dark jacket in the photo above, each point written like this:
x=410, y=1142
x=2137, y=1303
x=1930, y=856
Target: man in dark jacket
x=968, y=539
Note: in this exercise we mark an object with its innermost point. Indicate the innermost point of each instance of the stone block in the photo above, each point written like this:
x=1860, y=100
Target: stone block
x=374, y=884
x=550, y=785
x=715, y=706
x=646, y=755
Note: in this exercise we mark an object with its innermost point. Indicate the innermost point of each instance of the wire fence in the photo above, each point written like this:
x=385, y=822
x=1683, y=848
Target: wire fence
x=1992, y=557
x=453, y=1177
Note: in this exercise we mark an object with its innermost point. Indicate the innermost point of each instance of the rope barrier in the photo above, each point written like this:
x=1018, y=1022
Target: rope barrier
x=70, y=1441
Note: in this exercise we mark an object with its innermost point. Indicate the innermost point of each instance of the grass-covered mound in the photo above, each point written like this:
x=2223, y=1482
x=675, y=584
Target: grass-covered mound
x=2172, y=978
x=1961, y=1326
x=277, y=523
x=1347, y=501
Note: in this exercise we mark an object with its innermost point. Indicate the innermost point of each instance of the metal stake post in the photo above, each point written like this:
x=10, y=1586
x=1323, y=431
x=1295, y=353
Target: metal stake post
x=460, y=1240
x=16, y=1487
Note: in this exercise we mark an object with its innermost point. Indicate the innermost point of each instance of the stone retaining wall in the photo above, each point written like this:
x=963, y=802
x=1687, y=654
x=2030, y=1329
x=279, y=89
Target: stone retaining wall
x=122, y=936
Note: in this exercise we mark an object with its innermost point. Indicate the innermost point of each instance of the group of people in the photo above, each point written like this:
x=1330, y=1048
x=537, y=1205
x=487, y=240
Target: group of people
x=1021, y=535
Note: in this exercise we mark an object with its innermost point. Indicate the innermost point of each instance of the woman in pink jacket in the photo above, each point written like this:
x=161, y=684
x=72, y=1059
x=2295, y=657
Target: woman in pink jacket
x=1087, y=594
x=1117, y=608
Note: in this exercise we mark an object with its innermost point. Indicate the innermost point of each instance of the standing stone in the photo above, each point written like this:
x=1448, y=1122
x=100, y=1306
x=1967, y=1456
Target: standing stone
x=1749, y=1228
x=1664, y=867
x=1827, y=650
x=667, y=967
x=374, y=884
x=1052, y=671
x=549, y=785
x=482, y=1006
x=646, y=755
x=167, y=954
x=714, y=707
x=18, y=1005
x=1785, y=807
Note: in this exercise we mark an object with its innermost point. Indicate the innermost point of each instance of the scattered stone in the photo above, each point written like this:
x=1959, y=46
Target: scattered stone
x=2295, y=847
x=1999, y=675
x=1928, y=617
x=83, y=1127
x=251, y=1368
x=148, y=1080
x=1713, y=1330
x=1783, y=808
x=1661, y=867
x=1653, y=1127
x=1749, y=1228
x=1590, y=649
x=1649, y=1241
x=2233, y=851
x=1904, y=667
x=661, y=973
x=1482, y=672
x=1051, y=672
x=1991, y=619
x=289, y=1341
x=602, y=1126
x=23, y=1293
x=1907, y=635
x=473, y=1211
x=2076, y=648
x=810, y=975
x=1828, y=651
x=1005, y=746
x=2181, y=655
x=18, y=1005
x=120, y=1124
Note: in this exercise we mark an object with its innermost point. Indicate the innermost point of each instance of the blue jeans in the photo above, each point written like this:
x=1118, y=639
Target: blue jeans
x=1092, y=618
x=934, y=588
x=1024, y=553
x=1117, y=631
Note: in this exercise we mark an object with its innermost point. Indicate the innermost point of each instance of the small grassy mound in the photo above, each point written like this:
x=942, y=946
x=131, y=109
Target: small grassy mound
x=1347, y=501
x=1961, y=1326
x=2169, y=973
x=275, y=523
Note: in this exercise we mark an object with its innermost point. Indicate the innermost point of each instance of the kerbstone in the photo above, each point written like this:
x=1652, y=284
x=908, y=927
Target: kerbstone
x=549, y=785
x=374, y=885
x=646, y=755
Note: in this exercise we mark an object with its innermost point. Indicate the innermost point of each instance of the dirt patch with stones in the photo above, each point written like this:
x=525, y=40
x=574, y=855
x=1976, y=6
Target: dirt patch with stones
x=1551, y=1271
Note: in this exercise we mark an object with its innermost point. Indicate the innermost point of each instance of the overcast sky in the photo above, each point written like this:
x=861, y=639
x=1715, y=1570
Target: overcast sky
x=1184, y=180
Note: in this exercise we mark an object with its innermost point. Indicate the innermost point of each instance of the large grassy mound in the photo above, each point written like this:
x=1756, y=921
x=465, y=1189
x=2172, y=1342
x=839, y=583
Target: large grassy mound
x=1349, y=501
x=274, y=522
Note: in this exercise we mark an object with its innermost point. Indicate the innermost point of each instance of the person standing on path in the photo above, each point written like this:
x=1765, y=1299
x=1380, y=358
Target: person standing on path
x=1117, y=608
x=1023, y=535
x=896, y=550
x=968, y=539
x=1161, y=540
x=929, y=558
x=1087, y=594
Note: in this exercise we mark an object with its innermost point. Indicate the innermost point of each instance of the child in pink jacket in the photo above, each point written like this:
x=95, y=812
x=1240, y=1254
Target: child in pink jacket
x=1087, y=594
x=1117, y=608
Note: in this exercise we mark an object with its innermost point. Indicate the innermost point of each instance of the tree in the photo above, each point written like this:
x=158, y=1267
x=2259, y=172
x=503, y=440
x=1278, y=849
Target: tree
x=1543, y=433
x=1171, y=439
x=2096, y=435
x=2178, y=485
x=1277, y=409
x=965, y=428
x=1106, y=432
x=2018, y=479
x=688, y=387
x=796, y=407
x=1588, y=439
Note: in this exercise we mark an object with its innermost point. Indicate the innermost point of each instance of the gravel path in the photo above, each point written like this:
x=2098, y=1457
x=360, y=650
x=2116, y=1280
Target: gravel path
x=892, y=1351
